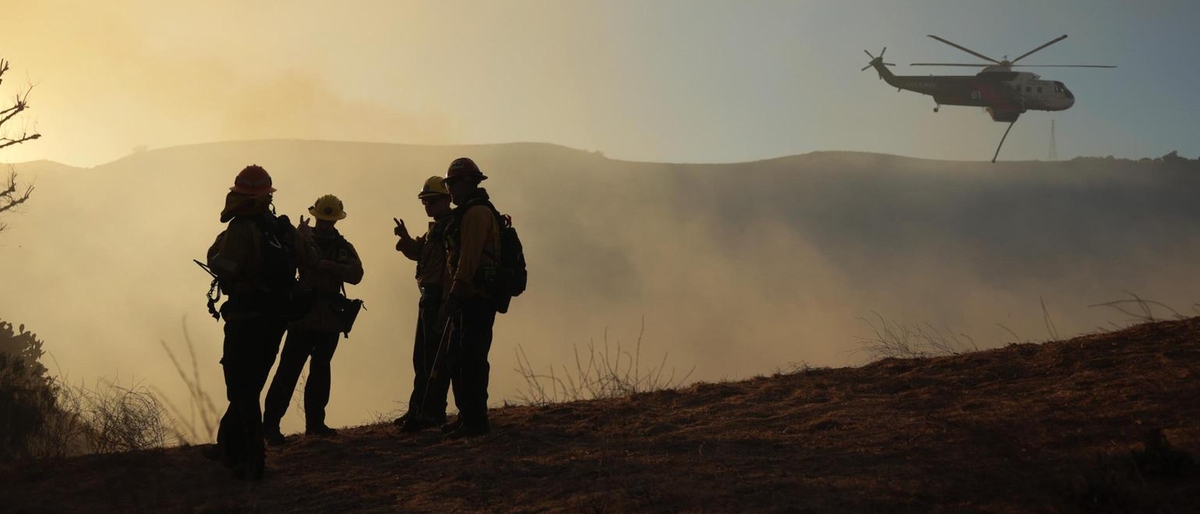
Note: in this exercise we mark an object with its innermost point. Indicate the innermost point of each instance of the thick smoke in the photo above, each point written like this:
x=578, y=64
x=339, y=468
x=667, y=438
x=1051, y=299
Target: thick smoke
x=737, y=269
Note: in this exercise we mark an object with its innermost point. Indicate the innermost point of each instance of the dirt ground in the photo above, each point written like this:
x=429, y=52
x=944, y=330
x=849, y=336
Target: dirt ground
x=1054, y=427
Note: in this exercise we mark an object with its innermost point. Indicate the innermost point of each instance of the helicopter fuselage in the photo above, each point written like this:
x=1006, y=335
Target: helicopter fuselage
x=1004, y=94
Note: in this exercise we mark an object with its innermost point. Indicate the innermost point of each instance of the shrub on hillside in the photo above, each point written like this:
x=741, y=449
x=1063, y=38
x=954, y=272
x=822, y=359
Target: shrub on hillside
x=43, y=417
x=609, y=372
x=27, y=395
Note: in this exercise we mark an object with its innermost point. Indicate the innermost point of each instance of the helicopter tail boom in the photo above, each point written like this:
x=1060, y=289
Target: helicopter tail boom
x=881, y=67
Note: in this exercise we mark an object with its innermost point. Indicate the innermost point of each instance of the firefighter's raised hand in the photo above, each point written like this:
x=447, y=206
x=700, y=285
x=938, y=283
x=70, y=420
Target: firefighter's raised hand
x=304, y=228
x=400, y=230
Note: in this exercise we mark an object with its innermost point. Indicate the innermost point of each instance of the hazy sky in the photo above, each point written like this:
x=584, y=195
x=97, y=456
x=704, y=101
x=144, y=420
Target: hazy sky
x=694, y=81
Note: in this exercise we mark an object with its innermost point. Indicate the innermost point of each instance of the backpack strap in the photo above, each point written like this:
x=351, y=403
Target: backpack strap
x=504, y=220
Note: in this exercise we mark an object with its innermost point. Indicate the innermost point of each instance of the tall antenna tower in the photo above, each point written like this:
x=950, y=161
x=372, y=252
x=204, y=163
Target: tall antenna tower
x=1053, y=145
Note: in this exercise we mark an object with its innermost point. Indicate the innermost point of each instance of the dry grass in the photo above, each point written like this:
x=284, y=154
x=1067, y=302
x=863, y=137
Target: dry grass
x=1056, y=427
x=606, y=371
x=1140, y=310
x=889, y=339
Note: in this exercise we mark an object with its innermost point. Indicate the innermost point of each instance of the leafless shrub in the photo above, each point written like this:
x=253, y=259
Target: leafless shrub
x=1141, y=310
x=892, y=339
x=127, y=419
x=793, y=368
x=605, y=371
x=102, y=418
x=382, y=418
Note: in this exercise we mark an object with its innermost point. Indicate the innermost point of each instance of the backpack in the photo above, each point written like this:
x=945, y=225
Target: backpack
x=278, y=267
x=512, y=276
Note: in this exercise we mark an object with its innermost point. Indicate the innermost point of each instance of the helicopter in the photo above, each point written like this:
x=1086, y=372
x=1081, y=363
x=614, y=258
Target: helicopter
x=1005, y=94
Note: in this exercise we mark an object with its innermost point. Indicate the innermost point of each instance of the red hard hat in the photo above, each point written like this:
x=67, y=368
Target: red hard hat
x=252, y=180
x=464, y=167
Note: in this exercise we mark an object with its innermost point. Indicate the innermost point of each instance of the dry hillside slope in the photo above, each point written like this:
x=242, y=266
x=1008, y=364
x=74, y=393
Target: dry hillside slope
x=1055, y=427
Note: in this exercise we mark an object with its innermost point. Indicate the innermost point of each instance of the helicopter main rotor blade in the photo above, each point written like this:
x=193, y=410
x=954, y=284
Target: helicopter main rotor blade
x=965, y=49
x=948, y=64
x=1063, y=66
x=1026, y=54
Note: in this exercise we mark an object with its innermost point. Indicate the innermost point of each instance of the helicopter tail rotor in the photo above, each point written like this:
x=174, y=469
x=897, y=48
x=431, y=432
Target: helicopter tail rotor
x=876, y=59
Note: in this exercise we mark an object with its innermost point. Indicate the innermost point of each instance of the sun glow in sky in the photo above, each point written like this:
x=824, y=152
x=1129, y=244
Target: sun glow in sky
x=690, y=81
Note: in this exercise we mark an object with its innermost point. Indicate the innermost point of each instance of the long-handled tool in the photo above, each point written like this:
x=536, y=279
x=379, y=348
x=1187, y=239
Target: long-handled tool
x=433, y=370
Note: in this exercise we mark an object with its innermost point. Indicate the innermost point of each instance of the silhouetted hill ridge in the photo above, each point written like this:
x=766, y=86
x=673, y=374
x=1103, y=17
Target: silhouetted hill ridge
x=271, y=146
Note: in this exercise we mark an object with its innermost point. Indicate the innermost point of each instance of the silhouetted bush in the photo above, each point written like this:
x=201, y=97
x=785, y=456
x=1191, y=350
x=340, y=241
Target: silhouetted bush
x=43, y=417
x=27, y=395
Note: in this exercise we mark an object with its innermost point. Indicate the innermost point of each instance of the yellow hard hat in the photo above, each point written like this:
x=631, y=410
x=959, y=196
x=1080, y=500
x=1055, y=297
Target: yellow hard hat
x=434, y=186
x=328, y=208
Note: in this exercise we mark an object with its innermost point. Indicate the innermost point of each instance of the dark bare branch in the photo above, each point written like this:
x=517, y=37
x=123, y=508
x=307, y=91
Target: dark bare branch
x=12, y=196
x=20, y=103
x=5, y=142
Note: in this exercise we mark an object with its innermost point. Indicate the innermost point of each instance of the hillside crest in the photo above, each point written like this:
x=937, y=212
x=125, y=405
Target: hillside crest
x=1031, y=427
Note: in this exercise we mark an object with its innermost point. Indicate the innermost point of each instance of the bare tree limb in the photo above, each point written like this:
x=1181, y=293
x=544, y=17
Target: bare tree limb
x=12, y=195
x=6, y=142
x=20, y=104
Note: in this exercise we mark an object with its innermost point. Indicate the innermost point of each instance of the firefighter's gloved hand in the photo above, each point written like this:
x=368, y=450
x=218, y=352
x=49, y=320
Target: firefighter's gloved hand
x=401, y=231
x=304, y=228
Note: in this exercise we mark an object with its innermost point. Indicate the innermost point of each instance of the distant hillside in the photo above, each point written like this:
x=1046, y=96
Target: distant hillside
x=735, y=268
x=1056, y=427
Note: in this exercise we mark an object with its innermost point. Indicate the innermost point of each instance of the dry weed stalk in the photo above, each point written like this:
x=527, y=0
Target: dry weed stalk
x=897, y=340
x=1141, y=310
x=609, y=372
x=199, y=423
